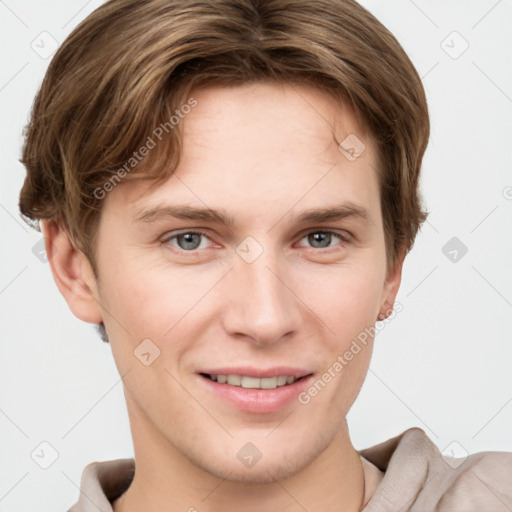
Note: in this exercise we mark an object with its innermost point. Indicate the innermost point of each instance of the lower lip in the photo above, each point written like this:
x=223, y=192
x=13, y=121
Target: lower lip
x=258, y=400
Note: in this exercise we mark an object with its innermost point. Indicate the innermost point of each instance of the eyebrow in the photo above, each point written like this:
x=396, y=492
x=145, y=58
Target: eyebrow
x=221, y=217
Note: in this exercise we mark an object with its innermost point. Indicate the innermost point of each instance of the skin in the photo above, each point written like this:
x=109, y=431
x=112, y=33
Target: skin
x=264, y=153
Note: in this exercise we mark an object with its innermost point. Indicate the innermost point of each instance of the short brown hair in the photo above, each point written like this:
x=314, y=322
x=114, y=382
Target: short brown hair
x=130, y=64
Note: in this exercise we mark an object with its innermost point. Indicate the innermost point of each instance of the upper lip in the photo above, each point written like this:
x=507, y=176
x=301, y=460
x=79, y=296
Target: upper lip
x=259, y=373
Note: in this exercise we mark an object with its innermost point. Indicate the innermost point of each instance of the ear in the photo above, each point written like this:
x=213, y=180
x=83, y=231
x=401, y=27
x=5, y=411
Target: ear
x=391, y=286
x=72, y=272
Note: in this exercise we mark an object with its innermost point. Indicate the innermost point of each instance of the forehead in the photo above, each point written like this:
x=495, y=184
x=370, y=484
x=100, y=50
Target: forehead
x=259, y=144
x=304, y=116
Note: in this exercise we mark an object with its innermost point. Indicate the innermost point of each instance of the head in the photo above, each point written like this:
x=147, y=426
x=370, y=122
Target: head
x=259, y=114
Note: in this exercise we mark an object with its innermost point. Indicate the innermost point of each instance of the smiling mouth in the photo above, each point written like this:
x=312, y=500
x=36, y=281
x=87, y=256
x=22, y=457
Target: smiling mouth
x=247, y=382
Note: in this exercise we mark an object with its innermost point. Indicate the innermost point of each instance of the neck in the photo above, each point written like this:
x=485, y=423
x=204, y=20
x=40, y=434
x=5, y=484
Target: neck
x=165, y=479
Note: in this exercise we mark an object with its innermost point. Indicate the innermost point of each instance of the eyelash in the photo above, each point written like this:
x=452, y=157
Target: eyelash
x=344, y=239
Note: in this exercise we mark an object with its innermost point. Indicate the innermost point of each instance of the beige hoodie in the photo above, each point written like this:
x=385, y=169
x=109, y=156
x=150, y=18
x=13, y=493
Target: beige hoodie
x=404, y=474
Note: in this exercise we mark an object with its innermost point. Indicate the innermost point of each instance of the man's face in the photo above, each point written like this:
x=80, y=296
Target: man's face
x=268, y=296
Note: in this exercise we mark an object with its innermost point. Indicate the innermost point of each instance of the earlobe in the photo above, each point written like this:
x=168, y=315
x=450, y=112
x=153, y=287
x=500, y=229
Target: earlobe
x=72, y=273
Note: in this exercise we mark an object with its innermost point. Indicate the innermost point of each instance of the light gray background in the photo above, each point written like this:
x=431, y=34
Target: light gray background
x=443, y=364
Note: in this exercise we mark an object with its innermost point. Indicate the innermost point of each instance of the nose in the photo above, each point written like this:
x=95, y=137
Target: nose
x=261, y=305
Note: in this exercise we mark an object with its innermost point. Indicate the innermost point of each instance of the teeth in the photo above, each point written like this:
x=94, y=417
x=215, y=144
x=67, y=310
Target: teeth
x=269, y=383
x=281, y=381
x=234, y=380
x=250, y=382
x=253, y=383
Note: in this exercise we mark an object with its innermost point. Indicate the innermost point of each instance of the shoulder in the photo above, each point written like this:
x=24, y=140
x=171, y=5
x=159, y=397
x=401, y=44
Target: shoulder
x=480, y=481
x=419, y=478
x=474, y=482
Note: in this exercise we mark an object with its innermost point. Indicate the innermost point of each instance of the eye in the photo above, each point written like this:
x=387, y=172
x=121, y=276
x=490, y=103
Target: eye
x=323, y=239
x=190, y=241
x=187, y=241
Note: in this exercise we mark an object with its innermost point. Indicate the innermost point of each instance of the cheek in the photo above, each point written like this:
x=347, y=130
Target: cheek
x=347, y=297
x=348, y=305
x=146, y=300
x=348, y=308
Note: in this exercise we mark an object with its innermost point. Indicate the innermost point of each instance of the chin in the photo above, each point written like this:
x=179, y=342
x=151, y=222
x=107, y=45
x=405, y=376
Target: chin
x=261, y=473
x=274, y=465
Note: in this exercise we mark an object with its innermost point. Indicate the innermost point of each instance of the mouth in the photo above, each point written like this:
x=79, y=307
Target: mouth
x=256, y=391
x=248, y=382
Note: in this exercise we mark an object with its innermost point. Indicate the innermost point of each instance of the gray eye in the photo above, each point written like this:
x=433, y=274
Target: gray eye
x=191, y=241
x=320, y=239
